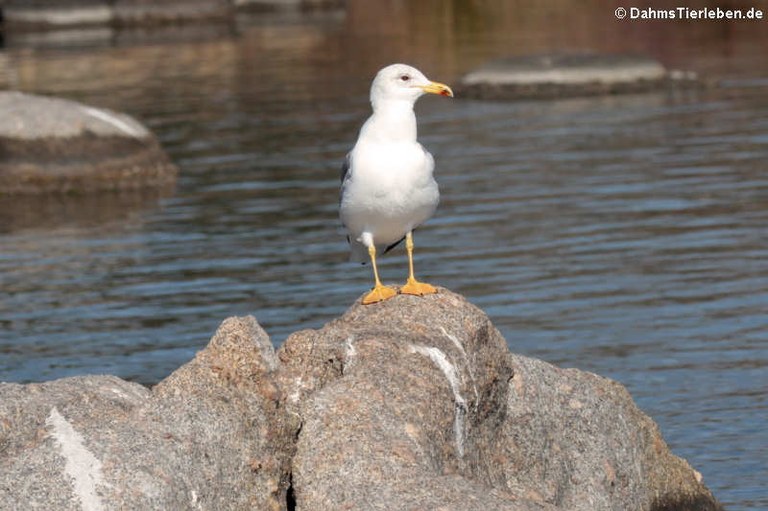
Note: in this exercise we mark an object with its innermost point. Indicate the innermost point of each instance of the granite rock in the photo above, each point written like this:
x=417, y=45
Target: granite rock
x=210, y=436
x=416, y=403
x=570, y=74
x=54, y=14
x=41, y=15
x=412, y=403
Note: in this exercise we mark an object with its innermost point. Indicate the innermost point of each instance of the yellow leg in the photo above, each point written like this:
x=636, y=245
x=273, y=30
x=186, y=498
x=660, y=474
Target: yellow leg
x=379, y=292
x=413, y=286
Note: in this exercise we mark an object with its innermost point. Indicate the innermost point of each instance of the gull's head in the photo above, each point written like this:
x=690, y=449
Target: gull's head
x=400, y=82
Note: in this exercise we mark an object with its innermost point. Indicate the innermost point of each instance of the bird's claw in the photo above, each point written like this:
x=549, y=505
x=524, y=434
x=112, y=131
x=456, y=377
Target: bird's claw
x=378, y=294
x=416, y=288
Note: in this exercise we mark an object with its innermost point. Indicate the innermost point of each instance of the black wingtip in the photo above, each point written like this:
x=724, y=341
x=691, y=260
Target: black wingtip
x=393, y=245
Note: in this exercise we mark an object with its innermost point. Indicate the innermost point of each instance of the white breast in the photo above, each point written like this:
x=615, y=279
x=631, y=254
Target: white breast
x=390, y=190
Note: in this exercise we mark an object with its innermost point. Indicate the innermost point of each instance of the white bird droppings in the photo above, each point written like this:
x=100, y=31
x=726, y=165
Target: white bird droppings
x=467, y=364
x=449, y=371
x=350, y=353
x=80, y=464
x=296, y=392
x=195, y=500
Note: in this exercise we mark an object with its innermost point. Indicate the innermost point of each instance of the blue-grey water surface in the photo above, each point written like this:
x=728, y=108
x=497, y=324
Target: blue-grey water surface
x=624, y=235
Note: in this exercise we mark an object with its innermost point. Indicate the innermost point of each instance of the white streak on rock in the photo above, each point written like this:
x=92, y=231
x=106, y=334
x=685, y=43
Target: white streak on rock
x=468, y=365
x=296, y=393
x=133, y=131
x=350, y=354
x=80, y=464
x=119, y=393
x=195, y=500
x=455, y=341
x=449, y=370
x=351, y=351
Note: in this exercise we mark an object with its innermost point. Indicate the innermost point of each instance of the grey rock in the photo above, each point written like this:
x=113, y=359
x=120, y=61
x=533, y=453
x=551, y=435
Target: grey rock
x=578, y=440
x=563, y=75
x=412, y=403
x=29, y=117
x=276, y=5
x=207, y=437
x=68, y=14
x=416, y=403
x=143, y=12
x=56, y=13
x=52, y=14
x=56, y=145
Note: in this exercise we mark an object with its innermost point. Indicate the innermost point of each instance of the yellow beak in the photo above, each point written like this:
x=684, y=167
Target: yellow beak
x=437, y=88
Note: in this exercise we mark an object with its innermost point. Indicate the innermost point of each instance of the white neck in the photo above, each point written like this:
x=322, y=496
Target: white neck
x=392, y=121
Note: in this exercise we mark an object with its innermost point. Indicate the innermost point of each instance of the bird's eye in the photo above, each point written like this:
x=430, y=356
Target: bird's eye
x=405, y=78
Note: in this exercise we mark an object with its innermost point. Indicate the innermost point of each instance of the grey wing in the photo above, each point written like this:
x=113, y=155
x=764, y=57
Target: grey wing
x=346, y=167
x=357, y=254
x=346, y=174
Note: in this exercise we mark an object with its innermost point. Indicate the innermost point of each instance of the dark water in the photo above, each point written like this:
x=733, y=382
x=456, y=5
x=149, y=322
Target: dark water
x=622, y=235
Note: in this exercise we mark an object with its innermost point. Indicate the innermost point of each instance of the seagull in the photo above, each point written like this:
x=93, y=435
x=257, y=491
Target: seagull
x=387, y=187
